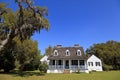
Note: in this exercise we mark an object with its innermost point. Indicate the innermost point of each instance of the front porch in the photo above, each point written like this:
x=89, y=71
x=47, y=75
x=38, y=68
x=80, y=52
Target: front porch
x=72, y=65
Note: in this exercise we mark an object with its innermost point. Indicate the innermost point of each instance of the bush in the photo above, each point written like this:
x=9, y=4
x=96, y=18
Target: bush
x=107, y=67
x=43, y=68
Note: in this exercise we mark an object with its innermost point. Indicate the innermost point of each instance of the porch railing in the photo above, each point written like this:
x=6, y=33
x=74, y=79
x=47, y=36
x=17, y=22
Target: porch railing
x=57, y=66
x=70, y=67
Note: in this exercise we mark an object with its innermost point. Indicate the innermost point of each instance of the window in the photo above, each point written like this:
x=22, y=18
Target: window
x=81, y=62
x=78, y=53
x=67, y=53
x=53, y=63
x=90, y=63
x=97, y=63
x=74, y=62
x=55, y=53
x=59, y=62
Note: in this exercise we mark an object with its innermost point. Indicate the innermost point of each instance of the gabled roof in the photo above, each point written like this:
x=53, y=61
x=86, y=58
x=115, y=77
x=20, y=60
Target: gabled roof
x=62, y=53
x=93, y=58
x=44, y=58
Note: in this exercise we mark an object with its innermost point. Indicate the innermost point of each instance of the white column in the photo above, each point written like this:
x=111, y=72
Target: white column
x=85, y=62
x=78, y=64
x=69, y=64
x=63, y=64
x=55, y=64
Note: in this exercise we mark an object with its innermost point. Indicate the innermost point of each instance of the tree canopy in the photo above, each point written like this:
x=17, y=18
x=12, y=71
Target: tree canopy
x=49, y=50
x=108, y=52
x=26, y=51
x=22, y=23
x=16, y=29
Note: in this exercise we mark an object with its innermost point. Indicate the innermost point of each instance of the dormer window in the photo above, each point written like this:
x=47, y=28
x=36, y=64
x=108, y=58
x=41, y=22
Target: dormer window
x=67, y=53
x=78, y=53
x=55, y=53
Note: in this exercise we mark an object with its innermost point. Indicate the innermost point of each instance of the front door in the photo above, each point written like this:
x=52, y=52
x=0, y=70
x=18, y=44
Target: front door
x=67, y=64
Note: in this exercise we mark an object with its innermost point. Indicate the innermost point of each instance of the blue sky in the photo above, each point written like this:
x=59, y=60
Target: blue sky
x=84, y=22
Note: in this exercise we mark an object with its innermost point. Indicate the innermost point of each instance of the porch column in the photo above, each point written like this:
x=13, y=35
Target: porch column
x=55, y=64
x=85, y=62
x=63, y=63
x=78, y=64
x=69, y=64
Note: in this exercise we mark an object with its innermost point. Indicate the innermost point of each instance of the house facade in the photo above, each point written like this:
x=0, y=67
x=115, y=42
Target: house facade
x=72, y=59
x=94, y=63
x=67, y=59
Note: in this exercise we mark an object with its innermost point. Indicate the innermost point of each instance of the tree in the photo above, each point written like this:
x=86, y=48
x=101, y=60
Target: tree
x=108, y=52
x=23, y=23
x=48, y=51
x=27, y=53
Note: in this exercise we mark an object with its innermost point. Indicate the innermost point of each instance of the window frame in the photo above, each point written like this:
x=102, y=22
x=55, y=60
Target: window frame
x=90, y=64
x=67, y=53
x=97, y=63
x=82, y=62
x=78, y=52
x=55, y=53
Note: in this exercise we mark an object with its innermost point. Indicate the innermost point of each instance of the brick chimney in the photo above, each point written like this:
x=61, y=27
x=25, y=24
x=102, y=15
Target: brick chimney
x=76, y=45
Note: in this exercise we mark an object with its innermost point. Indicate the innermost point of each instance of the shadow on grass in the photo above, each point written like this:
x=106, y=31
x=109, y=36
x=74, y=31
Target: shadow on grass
x=23, y=73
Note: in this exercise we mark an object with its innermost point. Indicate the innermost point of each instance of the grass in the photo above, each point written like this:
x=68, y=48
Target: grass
x=35, y=75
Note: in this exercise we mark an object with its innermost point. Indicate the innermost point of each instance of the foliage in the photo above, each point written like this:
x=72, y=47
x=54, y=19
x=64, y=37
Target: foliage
x=26, y=50
x=18, y=26
x=7, y=59
x=43, y=68
x=32, y=65
x=107, y=67
x=49, y=50
x=108, y=52
x=22, y=23
x=27, y=54
x=27, y=67
x=35, y=62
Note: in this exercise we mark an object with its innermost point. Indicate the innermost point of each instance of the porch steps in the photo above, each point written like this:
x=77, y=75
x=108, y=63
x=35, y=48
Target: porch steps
x=66, y=71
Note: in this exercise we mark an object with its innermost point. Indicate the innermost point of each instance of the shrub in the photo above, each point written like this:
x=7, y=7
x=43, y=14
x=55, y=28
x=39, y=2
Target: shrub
x=43, y=68
x=107, y=67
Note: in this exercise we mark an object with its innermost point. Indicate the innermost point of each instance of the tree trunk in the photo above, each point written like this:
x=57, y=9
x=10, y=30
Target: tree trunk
x=3, y=43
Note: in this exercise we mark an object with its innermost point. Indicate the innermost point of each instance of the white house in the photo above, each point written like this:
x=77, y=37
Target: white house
x=94, y=64
x=70, y=59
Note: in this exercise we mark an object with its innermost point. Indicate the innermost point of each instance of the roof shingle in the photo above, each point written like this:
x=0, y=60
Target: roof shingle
x=62, y=53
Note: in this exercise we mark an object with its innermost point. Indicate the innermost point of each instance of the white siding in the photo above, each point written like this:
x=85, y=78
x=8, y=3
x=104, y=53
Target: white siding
x=92, y=60
x=44, y=59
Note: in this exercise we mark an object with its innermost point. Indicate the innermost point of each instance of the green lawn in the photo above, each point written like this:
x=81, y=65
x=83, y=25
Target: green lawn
x=111, y=75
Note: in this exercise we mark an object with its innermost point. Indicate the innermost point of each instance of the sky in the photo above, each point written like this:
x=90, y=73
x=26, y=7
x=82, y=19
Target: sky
x=83, y=22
